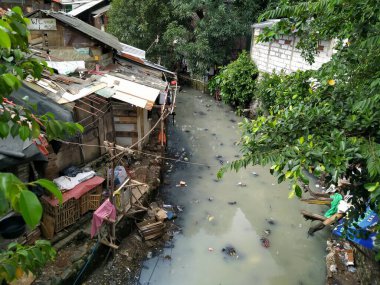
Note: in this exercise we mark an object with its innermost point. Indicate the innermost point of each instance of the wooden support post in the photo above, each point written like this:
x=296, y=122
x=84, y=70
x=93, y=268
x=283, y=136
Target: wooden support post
x=162, y=126
x=140, y=129
x=112, y=226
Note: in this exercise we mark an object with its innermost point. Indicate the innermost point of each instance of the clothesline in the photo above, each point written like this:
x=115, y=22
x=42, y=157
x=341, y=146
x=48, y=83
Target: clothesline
x=145, y=153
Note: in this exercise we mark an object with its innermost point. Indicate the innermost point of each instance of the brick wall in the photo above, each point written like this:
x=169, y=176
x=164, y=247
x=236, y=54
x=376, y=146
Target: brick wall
x=282, y=55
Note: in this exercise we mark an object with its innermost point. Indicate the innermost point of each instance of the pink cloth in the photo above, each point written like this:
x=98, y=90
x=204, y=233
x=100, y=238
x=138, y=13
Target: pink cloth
x=106, y=210
x=78, y=191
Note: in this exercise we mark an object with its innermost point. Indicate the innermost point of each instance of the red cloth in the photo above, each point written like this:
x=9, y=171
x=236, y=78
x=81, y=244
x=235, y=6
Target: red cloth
x=78, y=191
x=106, y=210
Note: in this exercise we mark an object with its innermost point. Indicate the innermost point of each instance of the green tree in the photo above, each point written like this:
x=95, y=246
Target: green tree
x=141, y=24
x=325, y=121
x=204, y=32
x=236, y=81
x=16, y=63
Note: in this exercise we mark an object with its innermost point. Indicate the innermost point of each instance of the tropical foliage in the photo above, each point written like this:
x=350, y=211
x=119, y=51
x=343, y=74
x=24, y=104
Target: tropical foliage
x=325, y=121
x=141, y=24
x=16, y=64
x=236, y=81
x=203, y=32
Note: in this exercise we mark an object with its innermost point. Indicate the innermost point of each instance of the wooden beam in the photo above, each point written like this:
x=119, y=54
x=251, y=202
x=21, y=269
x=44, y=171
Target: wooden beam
x=107, y=243
x=132, y=134
x=311, y=216
x=334, y=218
x=125, y=120
x=75, y=106
x=91, y=106
x=319, y=201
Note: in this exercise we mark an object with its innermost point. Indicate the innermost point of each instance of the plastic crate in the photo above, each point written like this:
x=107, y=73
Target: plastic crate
x=91, y=200
x=64, y=215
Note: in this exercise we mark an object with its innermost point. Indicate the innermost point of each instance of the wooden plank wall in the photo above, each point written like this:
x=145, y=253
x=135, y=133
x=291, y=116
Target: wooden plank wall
x=126, y=123
x=63, y=37
x=98, y=128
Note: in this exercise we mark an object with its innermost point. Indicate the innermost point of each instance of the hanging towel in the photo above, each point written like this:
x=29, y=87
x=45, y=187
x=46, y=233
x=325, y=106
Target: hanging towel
x=106, y=210
x=334, y=205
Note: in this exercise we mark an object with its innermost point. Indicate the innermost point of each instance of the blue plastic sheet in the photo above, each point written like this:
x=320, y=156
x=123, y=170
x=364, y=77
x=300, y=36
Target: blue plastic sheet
x=360, y=234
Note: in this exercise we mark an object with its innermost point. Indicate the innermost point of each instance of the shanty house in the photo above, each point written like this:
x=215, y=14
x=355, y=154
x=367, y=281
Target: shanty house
x=113, y=92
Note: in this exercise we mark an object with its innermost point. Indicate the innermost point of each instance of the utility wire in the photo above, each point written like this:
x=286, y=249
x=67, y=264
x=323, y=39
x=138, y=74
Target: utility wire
x=144, y=153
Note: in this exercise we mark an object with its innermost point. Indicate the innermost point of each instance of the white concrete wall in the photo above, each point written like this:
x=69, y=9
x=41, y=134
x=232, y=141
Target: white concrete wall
x=282, y=54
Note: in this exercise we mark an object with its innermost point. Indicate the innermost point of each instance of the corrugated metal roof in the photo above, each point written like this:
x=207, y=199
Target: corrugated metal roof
x=157, y=66
x=84, y=7
x=133, y=50
x=87, y=29
x=131, y=92
x=101, y=10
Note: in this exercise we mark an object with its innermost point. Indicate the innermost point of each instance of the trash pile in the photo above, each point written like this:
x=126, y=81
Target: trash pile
x=340, y=260
x=154, y=225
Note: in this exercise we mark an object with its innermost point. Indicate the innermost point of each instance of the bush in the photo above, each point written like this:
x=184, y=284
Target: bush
x=276, y=91
x=236, y=81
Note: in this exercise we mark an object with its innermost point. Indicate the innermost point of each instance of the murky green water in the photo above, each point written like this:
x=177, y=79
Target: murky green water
x=207, y=129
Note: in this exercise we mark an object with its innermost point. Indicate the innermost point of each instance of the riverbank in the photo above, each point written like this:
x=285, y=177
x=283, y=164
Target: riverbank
x=246, y=211
x=77, y=253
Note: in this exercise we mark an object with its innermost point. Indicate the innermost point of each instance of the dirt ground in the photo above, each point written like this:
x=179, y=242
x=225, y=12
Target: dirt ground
x=123, y=266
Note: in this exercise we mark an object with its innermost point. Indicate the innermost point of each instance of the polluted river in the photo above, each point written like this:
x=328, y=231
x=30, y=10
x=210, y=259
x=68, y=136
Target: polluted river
x=241, y=229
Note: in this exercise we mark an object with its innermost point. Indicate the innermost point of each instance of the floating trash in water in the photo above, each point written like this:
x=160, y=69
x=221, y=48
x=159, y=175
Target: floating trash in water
x=210, y=249
x=231, y=251
x=254, y=173
x=181, y=184
x=241, y=184
x=265, y=242
x=211, y=199
x=267, y=232
x=232, y=203
x=210, y=218
x=271, y=221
